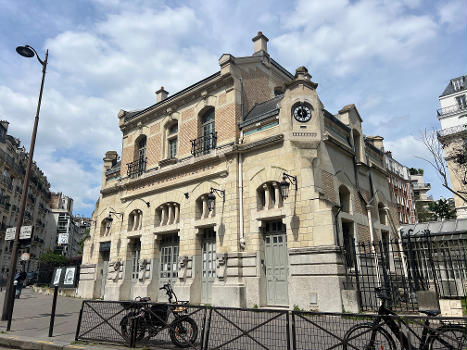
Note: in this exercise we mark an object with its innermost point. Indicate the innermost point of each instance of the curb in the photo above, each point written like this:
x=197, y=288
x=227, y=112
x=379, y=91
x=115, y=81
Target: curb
x=34, y=344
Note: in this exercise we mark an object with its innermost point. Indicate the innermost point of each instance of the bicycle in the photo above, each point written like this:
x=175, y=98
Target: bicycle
x=153, y=318
x=372, y=335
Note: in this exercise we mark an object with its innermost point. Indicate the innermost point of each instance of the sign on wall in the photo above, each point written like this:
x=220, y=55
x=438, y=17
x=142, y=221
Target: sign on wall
x=24, y=233
x=62, y=238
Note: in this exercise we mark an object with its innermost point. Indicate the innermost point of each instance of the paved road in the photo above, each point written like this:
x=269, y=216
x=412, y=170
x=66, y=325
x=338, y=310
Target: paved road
x=31, y=316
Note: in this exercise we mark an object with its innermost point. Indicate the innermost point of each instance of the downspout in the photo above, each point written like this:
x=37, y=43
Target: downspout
x=240, y=173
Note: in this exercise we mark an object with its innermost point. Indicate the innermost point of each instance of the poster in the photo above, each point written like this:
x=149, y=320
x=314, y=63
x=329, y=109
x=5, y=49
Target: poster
x=57, y=275
x=69, y=276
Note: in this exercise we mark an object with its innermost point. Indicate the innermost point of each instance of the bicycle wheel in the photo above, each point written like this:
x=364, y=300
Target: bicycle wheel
x=359, y=337
x=183, y=332
x=125, y=327
x=450, y=337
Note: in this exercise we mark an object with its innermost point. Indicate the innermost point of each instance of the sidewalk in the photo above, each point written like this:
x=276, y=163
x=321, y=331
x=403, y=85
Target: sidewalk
x=30, y=324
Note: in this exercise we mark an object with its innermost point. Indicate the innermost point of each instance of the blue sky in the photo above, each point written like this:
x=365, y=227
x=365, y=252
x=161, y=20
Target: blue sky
x=391, y=58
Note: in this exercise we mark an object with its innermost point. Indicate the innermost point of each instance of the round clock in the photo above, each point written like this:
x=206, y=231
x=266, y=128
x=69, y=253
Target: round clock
x=302, y=113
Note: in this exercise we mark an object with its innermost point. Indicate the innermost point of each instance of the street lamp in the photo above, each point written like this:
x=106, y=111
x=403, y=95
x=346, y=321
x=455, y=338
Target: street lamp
x=285, y=184
x=212, y=197
x=8, y=303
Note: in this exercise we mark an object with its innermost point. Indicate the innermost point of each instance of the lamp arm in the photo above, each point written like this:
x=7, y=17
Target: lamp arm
x=292, y=179
x=37, y=56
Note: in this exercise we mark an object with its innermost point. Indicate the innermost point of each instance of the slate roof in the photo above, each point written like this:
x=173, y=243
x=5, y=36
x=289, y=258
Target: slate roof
x=450, y=88
x=451, y=226
x=114, y=169
x=262, y=111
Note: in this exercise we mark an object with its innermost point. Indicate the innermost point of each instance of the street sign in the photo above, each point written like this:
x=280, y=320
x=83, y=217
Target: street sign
x=10, y=233
x=63, y=238
x=25, y=256
x=26, y=232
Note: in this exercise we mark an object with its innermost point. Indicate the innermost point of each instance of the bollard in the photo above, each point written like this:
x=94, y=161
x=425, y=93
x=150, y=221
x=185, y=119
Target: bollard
x=52, y=315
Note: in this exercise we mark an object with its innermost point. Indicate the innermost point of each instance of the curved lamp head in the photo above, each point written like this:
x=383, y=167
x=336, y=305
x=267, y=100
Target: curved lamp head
x=284, y=187
x=25, y=51
x=211, y=201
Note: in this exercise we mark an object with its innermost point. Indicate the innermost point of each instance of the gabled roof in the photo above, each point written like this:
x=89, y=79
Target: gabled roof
x=450, y=88
x=262, y=111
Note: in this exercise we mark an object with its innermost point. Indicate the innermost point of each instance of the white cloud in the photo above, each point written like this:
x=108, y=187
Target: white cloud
x=407, y=148
x=452, y=13
x=344, y=35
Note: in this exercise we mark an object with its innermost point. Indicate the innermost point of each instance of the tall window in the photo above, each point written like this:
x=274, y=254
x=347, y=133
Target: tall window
x=172, y=140
x=169, y=256
x=461, y=101
x=142, y=155
x=208, y=130
x=344, y=199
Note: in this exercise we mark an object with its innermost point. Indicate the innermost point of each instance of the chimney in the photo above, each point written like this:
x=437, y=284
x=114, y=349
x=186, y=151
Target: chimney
x=4, y=124
x=260, y=44
x=376, y=141
x=161, y=94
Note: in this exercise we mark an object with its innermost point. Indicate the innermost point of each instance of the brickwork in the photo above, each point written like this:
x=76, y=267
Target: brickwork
x=153, y=150
x=328, y=186
x=127, y=157
x=186, y=133
x=256, y=88
x=226, y=125
x=363, y=233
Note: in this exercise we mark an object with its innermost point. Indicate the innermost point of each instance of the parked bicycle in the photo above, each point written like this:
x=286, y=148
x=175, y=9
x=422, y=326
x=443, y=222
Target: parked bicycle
x=150, y=319
x=372, y=335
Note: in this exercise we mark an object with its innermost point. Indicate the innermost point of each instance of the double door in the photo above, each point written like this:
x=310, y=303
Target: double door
x=276, y=263
x=135, y=256
x=208, y=255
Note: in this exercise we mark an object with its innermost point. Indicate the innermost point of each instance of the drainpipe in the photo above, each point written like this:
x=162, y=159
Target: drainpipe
x=240, y=175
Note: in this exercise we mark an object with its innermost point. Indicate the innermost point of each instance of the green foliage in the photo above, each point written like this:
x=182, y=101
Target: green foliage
x=255, y=306
x=296, y=308
x=84, y=238
x=414, y=171
x=52, y=259
x=423, y=213
x=443, y=209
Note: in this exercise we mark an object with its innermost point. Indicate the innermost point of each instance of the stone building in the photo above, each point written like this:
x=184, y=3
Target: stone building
x=199, y=197
x=13, y=159
x=453, y=136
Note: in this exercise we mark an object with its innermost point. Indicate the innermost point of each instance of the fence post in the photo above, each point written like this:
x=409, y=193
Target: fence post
x=294, y=335
x=206, y=342
x=78, y=327
x=385, y=271
x=204, y=327
x=413, y=262
x=357, y=275
x=133, y=333
x=430, y=259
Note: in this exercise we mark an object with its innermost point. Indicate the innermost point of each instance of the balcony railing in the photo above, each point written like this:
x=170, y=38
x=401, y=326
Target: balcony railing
x=453, y=130
x=204, y=144
x=451, y=109
x=136, y=168
x=420, y=185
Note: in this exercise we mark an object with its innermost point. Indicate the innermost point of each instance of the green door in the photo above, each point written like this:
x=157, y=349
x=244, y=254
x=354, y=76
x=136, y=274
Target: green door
x=276, y=263
x=209, y=265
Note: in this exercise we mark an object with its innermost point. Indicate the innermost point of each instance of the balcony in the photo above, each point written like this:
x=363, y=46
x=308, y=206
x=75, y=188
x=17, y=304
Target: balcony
x=204, y=144
x=442, y=112
x=453, y=130
x=421, y=186
x=136, y=168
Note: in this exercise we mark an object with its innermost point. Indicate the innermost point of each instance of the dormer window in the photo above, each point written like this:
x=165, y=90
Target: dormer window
x=461, y=101
x=458, y=84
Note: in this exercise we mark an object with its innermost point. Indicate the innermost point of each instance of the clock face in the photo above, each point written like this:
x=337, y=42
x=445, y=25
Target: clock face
x=302, y=113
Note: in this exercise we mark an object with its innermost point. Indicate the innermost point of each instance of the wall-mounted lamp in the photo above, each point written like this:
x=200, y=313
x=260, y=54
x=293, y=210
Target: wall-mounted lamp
x=187, y=195
x=285, y=184
x=110, y=218
x=140, y=199
x=212, y=197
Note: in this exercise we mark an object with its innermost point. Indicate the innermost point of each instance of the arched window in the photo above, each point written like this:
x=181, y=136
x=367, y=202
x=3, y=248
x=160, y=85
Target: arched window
x=167, y=214
x=135, y=220
x=344, y=199
x=268, y=196
x=202, y=209
x=105, y=227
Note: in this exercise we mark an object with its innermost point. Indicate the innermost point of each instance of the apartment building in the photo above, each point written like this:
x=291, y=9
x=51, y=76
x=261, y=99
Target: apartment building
x=241, y=189
x=453, y=136
x=13, y=159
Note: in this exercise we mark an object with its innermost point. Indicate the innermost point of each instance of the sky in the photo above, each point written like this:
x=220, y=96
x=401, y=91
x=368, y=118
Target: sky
x=391, y=58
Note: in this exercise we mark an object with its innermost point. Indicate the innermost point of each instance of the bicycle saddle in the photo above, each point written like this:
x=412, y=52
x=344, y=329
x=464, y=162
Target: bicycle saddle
x=431, y=313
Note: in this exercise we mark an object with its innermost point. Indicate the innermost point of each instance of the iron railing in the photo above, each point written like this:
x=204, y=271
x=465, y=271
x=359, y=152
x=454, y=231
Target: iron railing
x=136, y=168
x=204, y=144
x=404, y=266
x=251, y=329
x=452, y=130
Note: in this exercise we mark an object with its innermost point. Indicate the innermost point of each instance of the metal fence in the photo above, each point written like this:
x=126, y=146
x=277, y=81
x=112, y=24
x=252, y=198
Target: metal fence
x=404, y=266
x=251, y=329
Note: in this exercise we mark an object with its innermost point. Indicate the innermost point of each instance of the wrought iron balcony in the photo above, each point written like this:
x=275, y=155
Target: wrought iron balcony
x=450, y=110
x=420, y=185
x=136, y=168
x=204, y=144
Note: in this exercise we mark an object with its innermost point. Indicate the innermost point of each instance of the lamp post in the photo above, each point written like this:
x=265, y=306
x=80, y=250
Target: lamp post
x=8, y=303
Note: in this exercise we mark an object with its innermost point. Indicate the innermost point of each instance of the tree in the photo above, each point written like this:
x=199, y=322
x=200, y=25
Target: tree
x=423, y=214
x=50, y=258
x=438, y=161
x=443, y=209
x=83, y=239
